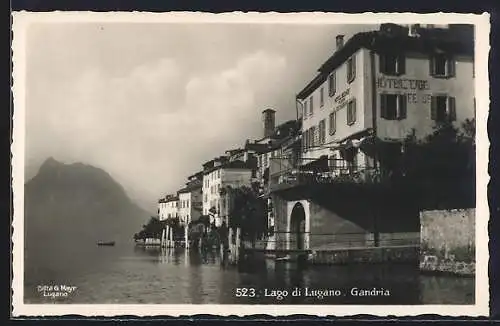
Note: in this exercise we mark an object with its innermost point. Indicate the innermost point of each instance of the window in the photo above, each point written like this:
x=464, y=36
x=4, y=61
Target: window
x=332, y=87
x=305, y=141
x=393, y=106
x=392, y=64
x=351, y=112
x=322, y=131
x=443, y=108
x=312, y=136
x=304, y=104
x=321, y=97
x=351, y=69
x=352, y=165
x=311, y=103
x=218, y=188
x=333, y=122
x=474, y=107
x=442, y=65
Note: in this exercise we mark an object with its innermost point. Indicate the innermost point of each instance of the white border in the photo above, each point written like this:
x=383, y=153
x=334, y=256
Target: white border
x=21, y=20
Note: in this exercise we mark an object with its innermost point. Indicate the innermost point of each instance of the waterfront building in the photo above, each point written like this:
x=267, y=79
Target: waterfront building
x=271, y=144
x=217, y=174
x=168, y=207
x=390, y=84
x=386, y=85
x=190, y=199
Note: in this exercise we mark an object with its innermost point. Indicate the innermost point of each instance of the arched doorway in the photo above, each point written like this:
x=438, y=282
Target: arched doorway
x=297, y=227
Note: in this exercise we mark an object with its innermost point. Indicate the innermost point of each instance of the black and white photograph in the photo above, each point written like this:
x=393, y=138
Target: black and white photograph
x=247, y=163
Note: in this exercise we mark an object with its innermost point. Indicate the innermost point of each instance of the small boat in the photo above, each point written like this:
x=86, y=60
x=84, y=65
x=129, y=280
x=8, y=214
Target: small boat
x=109, y=243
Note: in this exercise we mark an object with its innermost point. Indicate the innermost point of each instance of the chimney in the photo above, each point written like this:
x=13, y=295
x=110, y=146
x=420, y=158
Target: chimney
x=268, y=122
x=339, y=40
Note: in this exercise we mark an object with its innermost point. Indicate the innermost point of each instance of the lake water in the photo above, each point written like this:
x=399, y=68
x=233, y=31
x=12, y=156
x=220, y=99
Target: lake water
x=126, y=274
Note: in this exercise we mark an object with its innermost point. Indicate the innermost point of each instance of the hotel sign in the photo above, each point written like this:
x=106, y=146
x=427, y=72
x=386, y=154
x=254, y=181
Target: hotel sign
x=412, y=88
x=342, y=97
x=403, y=83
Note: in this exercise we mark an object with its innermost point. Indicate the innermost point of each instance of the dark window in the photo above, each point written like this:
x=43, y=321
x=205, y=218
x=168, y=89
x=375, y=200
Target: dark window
x=304, y=141
x=322, y=131
x=442, y=65
x=312, y=136
x=351, y=112
x=331, y=84
x=305, y=109
x=392, y=64
x=333, y=122
x=321, y=97
x=443, y=108
x=393, y=106
x=311, y=105
x=351, y=69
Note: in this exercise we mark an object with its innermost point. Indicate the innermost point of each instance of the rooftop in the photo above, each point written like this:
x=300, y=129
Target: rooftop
x=231, y=165
x=168, y=198
x=282, y=134
x=391, y=37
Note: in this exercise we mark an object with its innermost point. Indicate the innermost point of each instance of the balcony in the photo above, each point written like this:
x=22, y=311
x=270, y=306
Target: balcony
x=310, y=172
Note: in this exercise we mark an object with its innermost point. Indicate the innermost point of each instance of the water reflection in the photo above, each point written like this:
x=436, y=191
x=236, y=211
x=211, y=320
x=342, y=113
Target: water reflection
x=176, y=275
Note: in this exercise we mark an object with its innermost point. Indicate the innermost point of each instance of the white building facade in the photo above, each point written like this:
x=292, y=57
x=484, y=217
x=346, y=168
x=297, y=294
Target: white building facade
x=190, y=199
x=168, y=207
x=235, y=174
x=365, y=89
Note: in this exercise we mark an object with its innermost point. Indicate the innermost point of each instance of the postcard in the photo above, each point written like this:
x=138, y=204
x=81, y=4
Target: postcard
x=242, y=164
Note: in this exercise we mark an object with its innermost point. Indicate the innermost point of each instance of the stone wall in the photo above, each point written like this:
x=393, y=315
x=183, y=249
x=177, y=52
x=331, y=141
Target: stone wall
x=330, y=230
x=448, y=241
x=402, y=254
x=280, y=222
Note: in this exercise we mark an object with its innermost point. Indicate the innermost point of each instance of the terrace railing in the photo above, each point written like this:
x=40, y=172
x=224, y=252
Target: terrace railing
x=284, y=175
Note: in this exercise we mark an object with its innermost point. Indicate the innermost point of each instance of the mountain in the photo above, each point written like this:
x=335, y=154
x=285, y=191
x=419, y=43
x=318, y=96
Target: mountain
x=69, y=207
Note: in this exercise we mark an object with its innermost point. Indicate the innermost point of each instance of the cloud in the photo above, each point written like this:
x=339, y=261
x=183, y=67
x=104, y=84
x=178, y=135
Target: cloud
x=155, y=125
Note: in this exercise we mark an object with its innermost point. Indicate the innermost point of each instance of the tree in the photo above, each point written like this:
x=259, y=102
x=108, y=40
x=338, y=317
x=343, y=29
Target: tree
x=437, y=171
x=153, y=229
x=247, y=211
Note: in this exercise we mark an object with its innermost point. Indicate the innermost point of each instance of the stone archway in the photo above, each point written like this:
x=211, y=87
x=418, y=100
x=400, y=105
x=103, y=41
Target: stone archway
x=297, y=227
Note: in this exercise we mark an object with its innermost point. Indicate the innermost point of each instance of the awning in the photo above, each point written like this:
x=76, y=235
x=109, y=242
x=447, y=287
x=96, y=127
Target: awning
x=320, y=165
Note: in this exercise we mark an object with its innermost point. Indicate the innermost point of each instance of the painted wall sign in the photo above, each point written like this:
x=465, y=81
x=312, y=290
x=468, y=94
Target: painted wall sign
x=341, y=98
x=402, y=83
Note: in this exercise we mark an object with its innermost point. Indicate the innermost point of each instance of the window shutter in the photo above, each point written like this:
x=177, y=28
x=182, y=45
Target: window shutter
x=304, y=136
x=433, y=108
x=383, y=106
x=319, y=132
x=353, y=67
x=334, y=83
x=333, y=123
x=381, y=63
x=348, y=70
x=432, y=65
x=354, y=110
x=401, y=64
x=451, y=67
x=452, y=113
x=402, y=100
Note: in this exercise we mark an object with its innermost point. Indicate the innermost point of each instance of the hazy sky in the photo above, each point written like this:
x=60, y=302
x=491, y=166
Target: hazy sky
x=150, y=103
